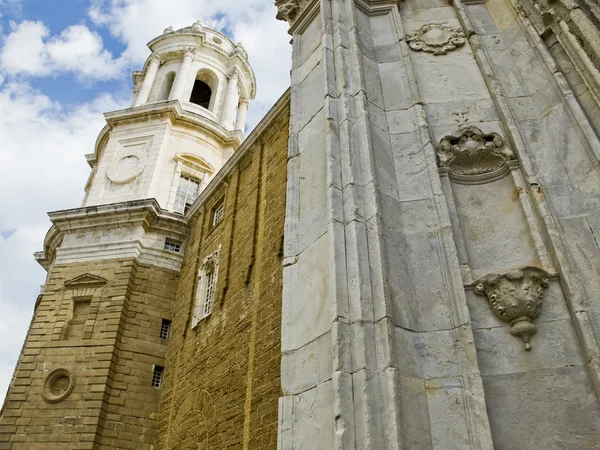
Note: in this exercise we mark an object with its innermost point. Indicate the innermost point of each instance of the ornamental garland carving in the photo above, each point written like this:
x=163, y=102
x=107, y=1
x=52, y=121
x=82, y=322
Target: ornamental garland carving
x=436, y=38
x=516, y=298
x=471, y=155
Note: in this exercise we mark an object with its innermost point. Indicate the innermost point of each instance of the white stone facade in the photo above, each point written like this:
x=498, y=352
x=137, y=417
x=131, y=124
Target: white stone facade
x=440, y=273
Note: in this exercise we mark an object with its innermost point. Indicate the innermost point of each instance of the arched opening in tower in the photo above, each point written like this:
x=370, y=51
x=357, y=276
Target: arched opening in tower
x=166, y=87
x=201, y=94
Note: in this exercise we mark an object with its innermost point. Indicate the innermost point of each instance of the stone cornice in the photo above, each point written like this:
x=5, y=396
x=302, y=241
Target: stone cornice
x=146, y=214
x=177, y=113
x=172, y=109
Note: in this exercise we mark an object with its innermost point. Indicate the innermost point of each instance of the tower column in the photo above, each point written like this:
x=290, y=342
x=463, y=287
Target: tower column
x=182, y=75
x=231, y=100
x=241, y=116
x=148, y=81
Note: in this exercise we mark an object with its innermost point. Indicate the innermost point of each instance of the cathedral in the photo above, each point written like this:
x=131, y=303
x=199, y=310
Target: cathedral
x=402, y=255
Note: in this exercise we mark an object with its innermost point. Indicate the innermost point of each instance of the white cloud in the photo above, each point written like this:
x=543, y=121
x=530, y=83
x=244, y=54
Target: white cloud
x=77, y=50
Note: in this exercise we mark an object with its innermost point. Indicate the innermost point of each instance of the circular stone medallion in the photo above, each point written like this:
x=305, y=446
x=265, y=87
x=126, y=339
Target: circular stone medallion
x=126, y=169
x=58, y=385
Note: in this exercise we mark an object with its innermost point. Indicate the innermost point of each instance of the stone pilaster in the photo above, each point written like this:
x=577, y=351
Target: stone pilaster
x=378, y=351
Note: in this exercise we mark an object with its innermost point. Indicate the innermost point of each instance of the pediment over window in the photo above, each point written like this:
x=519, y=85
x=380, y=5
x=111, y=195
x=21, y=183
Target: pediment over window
x=85, y=280
x=195, y=163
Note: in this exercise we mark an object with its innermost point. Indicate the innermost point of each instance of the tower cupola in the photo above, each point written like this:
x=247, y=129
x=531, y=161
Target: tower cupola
x=187, y=117
x=202, y=69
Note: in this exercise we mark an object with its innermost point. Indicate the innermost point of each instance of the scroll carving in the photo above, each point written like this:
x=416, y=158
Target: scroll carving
x=436, y=38
x=516, y=298
x=473, y=156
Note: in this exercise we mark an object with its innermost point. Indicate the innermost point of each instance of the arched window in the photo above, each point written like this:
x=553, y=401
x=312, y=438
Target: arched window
x=201, y=94
x=205, y=88
x=165, y=90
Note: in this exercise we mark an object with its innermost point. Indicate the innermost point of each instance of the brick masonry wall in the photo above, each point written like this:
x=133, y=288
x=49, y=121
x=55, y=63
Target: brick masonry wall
x=222, y=377
x=112, y=404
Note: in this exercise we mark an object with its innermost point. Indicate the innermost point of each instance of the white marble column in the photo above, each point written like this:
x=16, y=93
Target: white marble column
x=183, y=75
x=241, y=116
x=142, y=97
x=231, y=101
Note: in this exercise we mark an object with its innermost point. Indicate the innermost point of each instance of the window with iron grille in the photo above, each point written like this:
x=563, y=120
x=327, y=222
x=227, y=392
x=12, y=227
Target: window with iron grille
x=172, y=246
x=187, y=192
x=218, y=213
x=165, y=328
x=157, y=376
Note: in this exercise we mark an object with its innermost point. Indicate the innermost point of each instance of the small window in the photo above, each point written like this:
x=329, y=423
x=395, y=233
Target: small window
x=201, y=94
x=187, y=192
x=172, y=246
x=218, y=213
x=157, y=376
x=165, y=328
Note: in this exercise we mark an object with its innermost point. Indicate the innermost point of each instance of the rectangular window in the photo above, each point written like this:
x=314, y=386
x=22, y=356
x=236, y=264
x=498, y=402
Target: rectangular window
x=218, y=213
x=157, y=376
x=207, y=287
x=172, y=246
x=165, y=328
x=211, y=281
x=187, y=192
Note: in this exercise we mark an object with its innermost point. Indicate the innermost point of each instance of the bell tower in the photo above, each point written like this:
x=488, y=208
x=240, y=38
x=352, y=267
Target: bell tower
x=91, y=369
x=187, y=117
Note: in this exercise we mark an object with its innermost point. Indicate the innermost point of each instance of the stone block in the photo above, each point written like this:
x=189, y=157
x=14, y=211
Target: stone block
x=553, y=409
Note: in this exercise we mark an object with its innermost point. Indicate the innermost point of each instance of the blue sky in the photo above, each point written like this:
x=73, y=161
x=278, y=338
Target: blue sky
x=62, y=64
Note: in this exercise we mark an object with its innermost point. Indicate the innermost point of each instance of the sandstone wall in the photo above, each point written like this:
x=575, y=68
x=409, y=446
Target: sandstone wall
x=222, y=378
x=101, y=321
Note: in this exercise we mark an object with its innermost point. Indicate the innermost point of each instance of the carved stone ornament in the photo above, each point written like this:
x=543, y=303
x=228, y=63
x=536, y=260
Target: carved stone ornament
x=288, y=10
x=58, y=385
x=516, y=298
x=210, y=262
x=474, y=156
x=436, y=38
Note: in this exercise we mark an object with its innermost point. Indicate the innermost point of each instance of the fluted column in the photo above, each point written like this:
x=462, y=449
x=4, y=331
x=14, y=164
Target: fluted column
x=182, y=75
x=148, y=81
x=241, y=116
x=231, y=101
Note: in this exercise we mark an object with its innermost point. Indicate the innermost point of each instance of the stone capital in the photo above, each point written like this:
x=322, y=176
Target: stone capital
x=189, y=52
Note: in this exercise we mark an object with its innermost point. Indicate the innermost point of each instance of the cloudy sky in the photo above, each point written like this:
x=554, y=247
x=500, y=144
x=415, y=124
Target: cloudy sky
x=62, y=64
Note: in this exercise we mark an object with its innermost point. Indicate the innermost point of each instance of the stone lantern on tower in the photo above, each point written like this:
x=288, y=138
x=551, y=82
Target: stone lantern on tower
x=187, y=118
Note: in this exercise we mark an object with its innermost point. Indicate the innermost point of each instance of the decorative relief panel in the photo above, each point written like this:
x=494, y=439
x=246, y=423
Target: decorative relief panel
x=472, y=156
x=436, y=38
x=516, y=298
